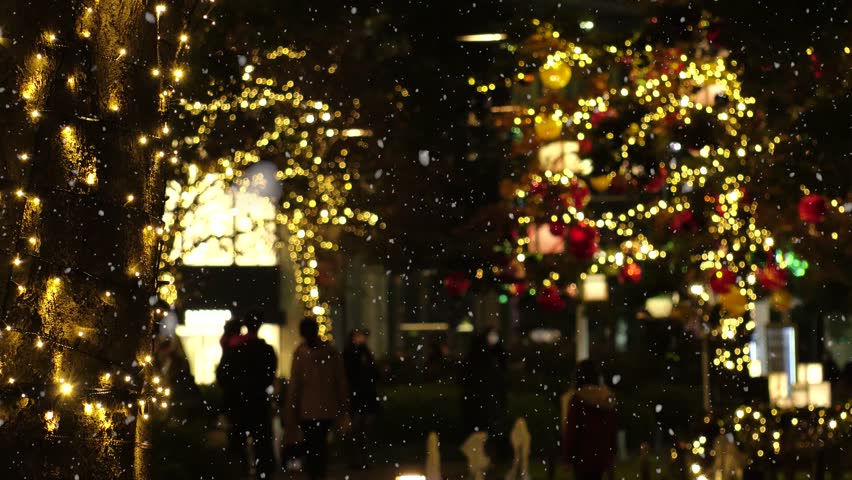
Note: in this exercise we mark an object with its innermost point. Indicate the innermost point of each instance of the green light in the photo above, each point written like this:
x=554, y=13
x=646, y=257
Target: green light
x=788, y=260
x=532, y=291
x=503, y=298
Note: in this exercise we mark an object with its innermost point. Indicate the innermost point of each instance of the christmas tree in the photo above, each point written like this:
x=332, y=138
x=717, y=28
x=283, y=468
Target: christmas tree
x=637, y=152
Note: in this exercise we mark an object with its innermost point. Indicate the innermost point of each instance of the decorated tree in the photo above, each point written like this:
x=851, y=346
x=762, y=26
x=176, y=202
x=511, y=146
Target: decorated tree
x=636, y=152
x=293, y=158
x=86, y=89
x=651, y=154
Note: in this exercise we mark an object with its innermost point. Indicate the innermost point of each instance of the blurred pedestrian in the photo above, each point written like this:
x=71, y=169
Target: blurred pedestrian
x=361, y=376
x=484, y=385
x=830, y=368
x=317, y=396
x=590, y=429
x=230, y=339
x=247, y=370
x=843, y=388
x=173, y=365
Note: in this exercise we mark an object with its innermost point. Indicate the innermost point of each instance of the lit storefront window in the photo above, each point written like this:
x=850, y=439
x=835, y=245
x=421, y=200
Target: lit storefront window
x=217, y=224
x=200, y=335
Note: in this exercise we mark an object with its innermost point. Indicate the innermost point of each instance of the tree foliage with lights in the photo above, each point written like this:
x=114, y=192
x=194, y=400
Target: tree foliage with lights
x=259, y=133
x=652, y=155
x=86, y=91
x=643, y=151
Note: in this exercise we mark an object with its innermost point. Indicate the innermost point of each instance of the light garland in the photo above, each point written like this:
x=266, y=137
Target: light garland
x=301, y=136
x=661, y=87
x=64, y=333
x=766, y=435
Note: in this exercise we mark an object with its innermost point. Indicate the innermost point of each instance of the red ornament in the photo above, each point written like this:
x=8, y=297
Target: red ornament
x=720, y=206
x=713, y=34
x=578, y=194
x=813, y=208
x=684, y=222
x=538, y=188
x=518, y=288
x=550, y=300
x=557, y=228
x=658, y=181
x=585, y=147
x=456, y=284
x=597, y=117
x=816, y=66
x=583, y=239
x=619, y=185
x=722, y=280
x=630, y=273
x=772, y=277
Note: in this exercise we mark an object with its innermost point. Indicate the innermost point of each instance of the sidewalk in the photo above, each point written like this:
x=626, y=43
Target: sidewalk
x=453, y=471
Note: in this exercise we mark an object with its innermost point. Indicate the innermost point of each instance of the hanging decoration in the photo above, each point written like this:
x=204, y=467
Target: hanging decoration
x=547, y=127
x=555, y=74
x=457, y=284
x=781, y=300
x=550, y=300
x=583, y=239
x=577, y=195
x=630, y=273
x=813, y=209
x=721, y=280
x=772, y=277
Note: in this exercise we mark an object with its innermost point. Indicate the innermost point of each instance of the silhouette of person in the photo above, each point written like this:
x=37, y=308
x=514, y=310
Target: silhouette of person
x=231, y=338
x=484, y=385
x=172, y=362
x=247, y=370
x=590, y=428
x=361, y=376
x=317, y=396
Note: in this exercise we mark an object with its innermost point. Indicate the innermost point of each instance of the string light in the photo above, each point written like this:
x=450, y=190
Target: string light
x=305, y=132
x=58, y=342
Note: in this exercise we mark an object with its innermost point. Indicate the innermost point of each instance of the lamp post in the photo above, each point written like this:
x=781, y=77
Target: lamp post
x=700, y=329
x=594, y=289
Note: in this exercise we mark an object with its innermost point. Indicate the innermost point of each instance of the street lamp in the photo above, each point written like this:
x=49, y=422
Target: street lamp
x=699, y=292
x=482, y=37
x=659, y=307
x=593, y=289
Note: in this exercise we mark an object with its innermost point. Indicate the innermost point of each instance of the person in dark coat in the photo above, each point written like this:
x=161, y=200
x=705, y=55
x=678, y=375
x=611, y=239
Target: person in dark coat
x=231, y=338
x=317, y=396
x=173, y=365
x=590, y=429
x=484, y=384
x=361, y=376
x=248, y=369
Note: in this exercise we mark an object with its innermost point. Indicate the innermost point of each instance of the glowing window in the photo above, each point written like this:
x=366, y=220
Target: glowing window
x=216, y=223
x=200, y=335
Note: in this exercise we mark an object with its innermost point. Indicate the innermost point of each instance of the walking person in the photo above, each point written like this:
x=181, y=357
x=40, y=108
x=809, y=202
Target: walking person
x=248, y=370
x=317, y=396
x=361, y=376
x=590, y=429
x=230, y=339
x=484, y=386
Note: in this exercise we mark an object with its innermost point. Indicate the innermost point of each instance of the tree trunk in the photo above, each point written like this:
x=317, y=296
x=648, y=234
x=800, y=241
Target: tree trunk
x=79, y=261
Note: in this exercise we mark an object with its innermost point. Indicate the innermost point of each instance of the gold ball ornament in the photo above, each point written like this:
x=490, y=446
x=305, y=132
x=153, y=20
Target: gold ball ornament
x=601, y=183
x=555, y=75
x=547, y=128
x=781, y=300
x=733, y=302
